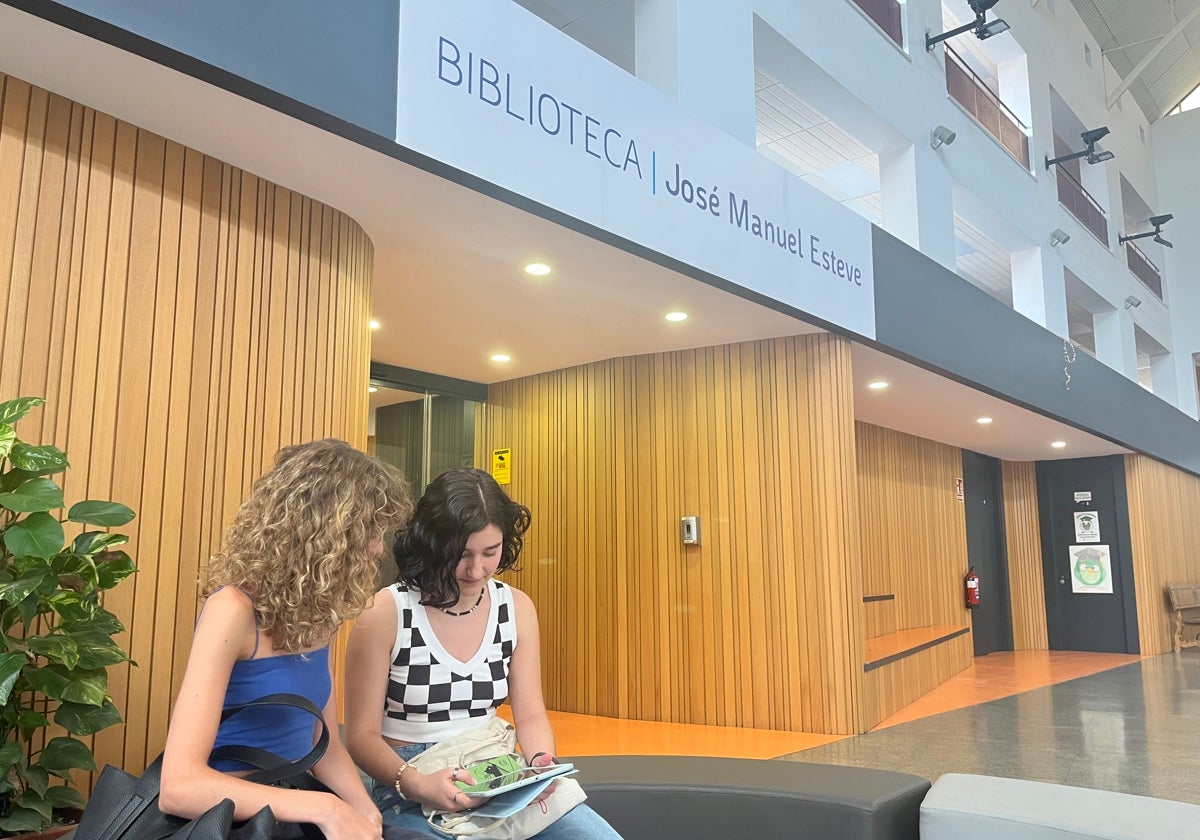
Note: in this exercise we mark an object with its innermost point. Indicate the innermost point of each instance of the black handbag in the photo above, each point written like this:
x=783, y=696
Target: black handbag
x=125, y=807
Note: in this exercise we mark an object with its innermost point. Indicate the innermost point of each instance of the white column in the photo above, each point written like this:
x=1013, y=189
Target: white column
x=1039, y=288
x=702, y=55
x=1186, y=394
x=916, y=194
x=1116, y=344
x=1162, y=372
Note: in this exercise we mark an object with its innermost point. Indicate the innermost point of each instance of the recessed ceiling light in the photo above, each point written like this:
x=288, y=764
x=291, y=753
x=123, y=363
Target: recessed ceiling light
x=537, y=269
x=373, y=324
x=676, y=316
x=877, y=385
x=371, y=389
x=983, y=421
x=1059, y=444
x=501, y=357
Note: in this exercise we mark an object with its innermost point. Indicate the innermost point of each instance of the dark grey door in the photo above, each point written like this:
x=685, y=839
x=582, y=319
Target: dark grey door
x=991, y=622
x=1080, y=615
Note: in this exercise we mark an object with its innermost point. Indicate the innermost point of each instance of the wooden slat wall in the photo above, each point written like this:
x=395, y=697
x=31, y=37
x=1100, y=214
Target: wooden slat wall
x=914, y=545
x=1164, y=524
x=185, y=320
x=1023, y=535
x=761, y=624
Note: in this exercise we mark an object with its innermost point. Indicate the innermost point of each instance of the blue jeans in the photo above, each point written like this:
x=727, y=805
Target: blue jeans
x=580, y=823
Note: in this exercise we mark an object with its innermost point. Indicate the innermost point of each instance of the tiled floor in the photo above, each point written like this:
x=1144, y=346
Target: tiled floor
x=1095, y=720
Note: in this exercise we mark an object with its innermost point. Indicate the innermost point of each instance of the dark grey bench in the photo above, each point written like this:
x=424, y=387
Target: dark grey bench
x=657, y=797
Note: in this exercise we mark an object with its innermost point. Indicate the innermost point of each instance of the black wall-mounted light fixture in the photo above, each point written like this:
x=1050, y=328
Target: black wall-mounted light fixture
x=982, y=29
x=1158, y=222
x=1093, y=155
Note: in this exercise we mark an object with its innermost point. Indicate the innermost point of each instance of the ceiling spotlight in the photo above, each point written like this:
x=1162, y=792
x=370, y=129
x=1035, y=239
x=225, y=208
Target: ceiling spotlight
x=981, y=28
x=1158, y=222
x=1058, y=236
x=941, y=135
x=1090, y=138
x=877, y=385
x=537, y=269
x=501, y=357
x=983, y=421
x=676, y=316
x=373, y=324
x=1059, y=444
x=1132, y=302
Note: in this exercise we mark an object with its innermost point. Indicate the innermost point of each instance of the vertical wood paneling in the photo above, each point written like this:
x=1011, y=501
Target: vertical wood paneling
x=181, y=317
x=1164, y=525
x=914, y=546
x=1023, y=536
x=760, y=625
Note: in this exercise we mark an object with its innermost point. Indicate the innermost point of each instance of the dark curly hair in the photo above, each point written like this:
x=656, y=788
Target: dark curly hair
x=457, y=504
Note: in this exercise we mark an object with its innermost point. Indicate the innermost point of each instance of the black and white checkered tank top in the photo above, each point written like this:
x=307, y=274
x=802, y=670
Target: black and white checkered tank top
x=431, y=695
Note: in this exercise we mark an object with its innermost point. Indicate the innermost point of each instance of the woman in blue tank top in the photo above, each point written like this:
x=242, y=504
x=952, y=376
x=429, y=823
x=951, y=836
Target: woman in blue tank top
x=300, y=558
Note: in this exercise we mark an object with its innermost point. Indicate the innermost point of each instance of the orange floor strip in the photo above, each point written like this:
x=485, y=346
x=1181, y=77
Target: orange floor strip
x=1004, y=674
x=990, y=678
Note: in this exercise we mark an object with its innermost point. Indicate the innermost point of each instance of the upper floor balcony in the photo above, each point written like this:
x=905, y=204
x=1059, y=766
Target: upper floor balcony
x=971, y=92
x=1143, y=268
x=886, y=14
x=1081, y=205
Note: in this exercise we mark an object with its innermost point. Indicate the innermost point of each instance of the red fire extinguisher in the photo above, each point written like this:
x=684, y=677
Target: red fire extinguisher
x=971, y=583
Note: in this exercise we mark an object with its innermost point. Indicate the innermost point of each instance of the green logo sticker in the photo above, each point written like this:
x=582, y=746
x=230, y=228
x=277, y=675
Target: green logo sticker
x=1089, y=568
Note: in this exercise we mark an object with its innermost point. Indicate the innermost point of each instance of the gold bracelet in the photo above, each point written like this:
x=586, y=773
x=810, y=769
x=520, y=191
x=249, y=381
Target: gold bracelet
x=399, y=775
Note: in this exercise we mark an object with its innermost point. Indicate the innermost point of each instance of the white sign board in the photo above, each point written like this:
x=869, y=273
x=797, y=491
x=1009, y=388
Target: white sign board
x=495, y=91
x=1087, y=526
x=1091, y=569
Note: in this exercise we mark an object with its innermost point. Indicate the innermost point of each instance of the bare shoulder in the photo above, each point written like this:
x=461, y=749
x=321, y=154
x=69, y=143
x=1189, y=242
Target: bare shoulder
x=522, y=605
x=379, y=616
x=227, y=622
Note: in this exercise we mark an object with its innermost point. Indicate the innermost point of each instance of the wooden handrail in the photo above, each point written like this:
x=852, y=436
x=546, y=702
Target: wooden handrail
x=1066, y=173
x=991, y=94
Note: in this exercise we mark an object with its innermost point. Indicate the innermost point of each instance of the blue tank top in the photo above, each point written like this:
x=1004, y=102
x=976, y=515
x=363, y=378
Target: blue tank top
x=281, y=730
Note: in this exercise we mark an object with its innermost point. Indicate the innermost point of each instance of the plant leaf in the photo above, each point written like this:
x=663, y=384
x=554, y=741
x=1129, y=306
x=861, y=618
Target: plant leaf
x=21, y=819
x=62, y=755
x=16, y=591
x=94, y=542
x=57, y=648
x=50, y=680
x=112, y=568
x=10, y=669
x=37, y=780
x=61, y=796
x=10, y=754
x=84, y=720
x=97, y=650
x=14, y=410
x=88, y=687
x=29, y=722
x=39, y=460
x=8, y=437
x=34, y=494
x=104, y=514
x=37, y=535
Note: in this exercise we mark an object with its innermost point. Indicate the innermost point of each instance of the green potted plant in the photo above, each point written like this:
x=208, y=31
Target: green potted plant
x=56, y=637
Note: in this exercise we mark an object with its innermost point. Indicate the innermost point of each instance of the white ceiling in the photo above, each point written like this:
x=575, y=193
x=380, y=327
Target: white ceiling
x=451, y=293
x=1128, y=30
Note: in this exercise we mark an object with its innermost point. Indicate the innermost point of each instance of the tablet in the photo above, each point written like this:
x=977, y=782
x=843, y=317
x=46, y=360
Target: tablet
x=489, y=784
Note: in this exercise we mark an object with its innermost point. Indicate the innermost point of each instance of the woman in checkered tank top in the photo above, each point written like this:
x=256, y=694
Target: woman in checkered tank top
x=441, y=649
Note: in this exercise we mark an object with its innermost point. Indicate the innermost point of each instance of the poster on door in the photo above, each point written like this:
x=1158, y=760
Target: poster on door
x=1087, y=526
x=1091, y=569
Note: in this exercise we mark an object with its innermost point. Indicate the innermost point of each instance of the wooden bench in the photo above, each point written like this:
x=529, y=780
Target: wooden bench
x=1185, y=603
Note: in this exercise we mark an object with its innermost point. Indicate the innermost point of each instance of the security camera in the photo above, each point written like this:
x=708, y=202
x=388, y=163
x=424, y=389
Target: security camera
x=1132, y=302
x=981, y=6
x=1159, y=221
x=1094, y=135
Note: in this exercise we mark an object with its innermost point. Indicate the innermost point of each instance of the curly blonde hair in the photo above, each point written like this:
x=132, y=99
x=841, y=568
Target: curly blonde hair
x=306, y=544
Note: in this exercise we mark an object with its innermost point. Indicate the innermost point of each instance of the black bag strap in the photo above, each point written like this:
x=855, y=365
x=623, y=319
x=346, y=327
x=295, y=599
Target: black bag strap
x=272, y=768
